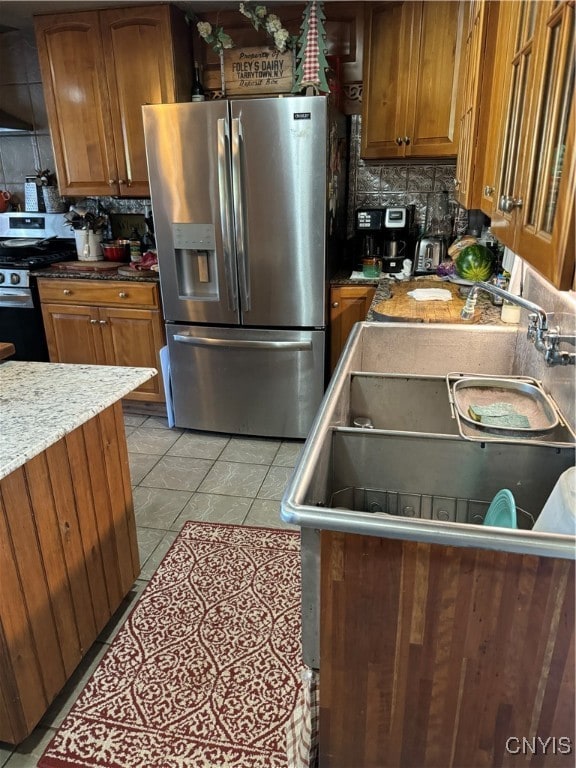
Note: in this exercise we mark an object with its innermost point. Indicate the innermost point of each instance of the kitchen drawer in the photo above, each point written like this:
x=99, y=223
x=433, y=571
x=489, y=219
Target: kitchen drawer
x=99, y=293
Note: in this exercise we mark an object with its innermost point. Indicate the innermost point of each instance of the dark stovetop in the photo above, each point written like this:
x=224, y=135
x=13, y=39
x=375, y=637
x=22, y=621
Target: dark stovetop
x=32, y=257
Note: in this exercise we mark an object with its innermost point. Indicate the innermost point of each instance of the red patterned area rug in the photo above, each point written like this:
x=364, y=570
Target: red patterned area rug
x=205, y=673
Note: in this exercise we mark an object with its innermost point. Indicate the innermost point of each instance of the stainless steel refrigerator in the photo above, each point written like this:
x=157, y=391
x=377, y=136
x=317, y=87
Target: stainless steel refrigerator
x=247, y=200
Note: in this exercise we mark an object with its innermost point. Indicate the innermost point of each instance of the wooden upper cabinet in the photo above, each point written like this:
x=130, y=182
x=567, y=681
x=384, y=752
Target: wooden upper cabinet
x=533, y=205
x=98, y=69
x=412, y=58
x=476, y=94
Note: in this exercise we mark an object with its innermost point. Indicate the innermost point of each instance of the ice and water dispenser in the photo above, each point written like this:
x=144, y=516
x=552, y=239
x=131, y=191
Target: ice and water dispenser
x=195, y=253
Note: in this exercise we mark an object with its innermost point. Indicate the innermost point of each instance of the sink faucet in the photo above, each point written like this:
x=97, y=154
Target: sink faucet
x=545, y=339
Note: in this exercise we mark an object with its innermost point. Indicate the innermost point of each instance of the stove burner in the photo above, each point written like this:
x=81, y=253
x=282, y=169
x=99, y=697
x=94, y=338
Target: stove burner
x=35, y=257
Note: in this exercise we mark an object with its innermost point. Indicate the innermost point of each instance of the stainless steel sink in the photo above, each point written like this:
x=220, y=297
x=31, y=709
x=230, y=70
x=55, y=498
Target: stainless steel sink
x=397, y=402
x=413, y=476
x=425, y=477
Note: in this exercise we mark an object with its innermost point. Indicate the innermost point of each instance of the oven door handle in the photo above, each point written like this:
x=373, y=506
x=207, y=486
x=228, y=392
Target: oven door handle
x=14, y=297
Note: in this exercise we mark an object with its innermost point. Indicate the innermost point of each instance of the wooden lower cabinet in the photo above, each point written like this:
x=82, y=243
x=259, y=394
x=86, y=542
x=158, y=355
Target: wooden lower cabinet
x=108, y=323
x=349, y=304
x=434, y=656
x=68, y=557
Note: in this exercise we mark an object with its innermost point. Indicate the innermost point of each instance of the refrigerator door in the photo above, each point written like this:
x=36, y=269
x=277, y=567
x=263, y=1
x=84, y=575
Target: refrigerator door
x=217, y=374
x=188, y=152
x=279, y=154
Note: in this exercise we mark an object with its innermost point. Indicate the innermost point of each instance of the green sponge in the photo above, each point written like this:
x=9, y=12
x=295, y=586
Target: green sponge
x=499, y=415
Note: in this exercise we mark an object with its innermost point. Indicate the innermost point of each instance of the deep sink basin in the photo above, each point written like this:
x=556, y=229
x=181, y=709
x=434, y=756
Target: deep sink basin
x=413, y=476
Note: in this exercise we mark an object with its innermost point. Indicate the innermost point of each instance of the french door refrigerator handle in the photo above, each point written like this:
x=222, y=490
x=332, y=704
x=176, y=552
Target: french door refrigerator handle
x=204, y=341
x=238, y=187
x=226, y=211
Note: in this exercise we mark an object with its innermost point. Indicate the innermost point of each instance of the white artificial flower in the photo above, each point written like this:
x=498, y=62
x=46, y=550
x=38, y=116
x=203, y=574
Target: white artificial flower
x=204, y=28
x=280, y=39
x=273, y=24
x=260, y=11
x=244, y=11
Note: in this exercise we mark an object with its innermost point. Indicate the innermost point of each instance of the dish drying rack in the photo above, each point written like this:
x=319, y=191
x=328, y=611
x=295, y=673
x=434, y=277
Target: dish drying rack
x=422, y=506
x=526, y=394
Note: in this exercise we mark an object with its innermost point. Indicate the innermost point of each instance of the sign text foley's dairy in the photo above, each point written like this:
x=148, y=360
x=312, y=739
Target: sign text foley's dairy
x=249, y=71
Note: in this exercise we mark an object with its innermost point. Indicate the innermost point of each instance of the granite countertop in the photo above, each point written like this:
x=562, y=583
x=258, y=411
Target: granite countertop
x=486, y=313
x=40, y=403
x=67, y=274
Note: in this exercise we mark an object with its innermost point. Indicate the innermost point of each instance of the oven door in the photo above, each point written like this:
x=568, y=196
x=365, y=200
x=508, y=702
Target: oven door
x=21, y=324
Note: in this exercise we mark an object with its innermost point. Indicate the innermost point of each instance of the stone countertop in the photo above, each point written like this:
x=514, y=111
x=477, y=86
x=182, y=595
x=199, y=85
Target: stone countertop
x=486, y=313
x=66, y=274
x=343, y=277
x=40, y=403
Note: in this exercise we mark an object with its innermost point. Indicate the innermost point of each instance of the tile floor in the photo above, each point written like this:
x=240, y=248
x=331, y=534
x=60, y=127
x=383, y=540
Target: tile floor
x=177, y=475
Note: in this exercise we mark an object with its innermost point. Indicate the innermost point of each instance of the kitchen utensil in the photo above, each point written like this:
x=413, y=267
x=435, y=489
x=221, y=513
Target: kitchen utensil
x=502, y=510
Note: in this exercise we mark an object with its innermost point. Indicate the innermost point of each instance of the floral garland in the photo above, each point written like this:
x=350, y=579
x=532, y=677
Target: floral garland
x=260, y=18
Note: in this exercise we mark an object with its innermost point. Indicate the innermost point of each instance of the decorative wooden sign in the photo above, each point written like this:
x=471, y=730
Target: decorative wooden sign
x=256, y=71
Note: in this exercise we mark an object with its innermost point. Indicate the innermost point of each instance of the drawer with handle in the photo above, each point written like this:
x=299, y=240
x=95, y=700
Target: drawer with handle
x=99, y=293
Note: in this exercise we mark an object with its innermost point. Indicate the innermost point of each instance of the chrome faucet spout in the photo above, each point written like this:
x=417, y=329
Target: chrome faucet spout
x=545, y=339
x=540, y=324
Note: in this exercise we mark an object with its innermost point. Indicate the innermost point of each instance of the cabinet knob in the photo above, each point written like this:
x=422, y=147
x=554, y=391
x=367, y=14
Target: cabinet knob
x=123, y=295
x=111, y=182
x=407, y=140
x=67, y=292
x=94, y=322
x=488, y=190
x=335, y=304
x=102, y=322
x=399, y=141
x=121, y=181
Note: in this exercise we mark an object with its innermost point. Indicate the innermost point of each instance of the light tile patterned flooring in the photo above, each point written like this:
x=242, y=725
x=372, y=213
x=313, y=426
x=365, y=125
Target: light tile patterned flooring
x=177, y=475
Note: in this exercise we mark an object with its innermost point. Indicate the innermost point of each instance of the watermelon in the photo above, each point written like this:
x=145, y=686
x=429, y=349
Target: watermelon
x=474, y=262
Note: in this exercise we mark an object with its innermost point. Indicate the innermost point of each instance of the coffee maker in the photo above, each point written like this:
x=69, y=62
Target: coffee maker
x=388, y=234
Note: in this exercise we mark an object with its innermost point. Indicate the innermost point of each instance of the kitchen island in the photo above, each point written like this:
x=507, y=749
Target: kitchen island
x=68, y=549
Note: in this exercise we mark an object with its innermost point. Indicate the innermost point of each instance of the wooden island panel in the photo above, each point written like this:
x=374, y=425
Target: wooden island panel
x=68, y=556
x=433, y=656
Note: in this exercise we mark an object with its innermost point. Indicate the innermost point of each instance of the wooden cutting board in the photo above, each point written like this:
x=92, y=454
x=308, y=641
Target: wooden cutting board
x=86, y=266
x=400, y=306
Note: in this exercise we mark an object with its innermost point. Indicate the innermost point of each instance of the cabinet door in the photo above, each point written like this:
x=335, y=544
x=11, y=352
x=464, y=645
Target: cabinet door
x=519, y=20
x=432, y=112
x=73, y=334
x=545, y=222
x=388, y=58
x=134, y=337
x=349, y=304
x=77, y=104
x=139, y=70
x=477, y=102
